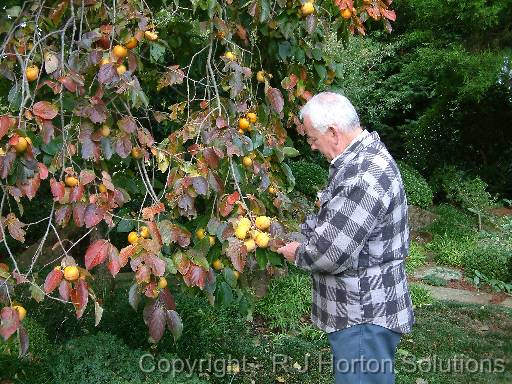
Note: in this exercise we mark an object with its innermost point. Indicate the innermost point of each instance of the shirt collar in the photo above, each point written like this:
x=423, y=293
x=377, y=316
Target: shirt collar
x=358, y=143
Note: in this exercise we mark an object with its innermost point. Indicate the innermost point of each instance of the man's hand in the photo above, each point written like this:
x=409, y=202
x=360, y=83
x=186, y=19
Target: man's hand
x=288, y=251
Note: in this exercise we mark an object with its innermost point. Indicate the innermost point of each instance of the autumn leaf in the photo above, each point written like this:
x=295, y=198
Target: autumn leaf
x=276, y=99
x=172, y=233
x=154, y=318
x=174, y=323
x=15, y=227
x=172, y=76
x=93, y=215
x=45, y=110
x=127, y=124
x=195, y=276
x=237, y=253
x=6, y=123
x=80, y=297
x=65, y=290
x=97, y=253
x=52, y=280
x=57, y=188
x=149, y=213
x=9, y=322
x=62, y=215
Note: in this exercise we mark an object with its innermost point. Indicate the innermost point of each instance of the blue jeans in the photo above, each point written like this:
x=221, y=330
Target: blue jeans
x=364, y=354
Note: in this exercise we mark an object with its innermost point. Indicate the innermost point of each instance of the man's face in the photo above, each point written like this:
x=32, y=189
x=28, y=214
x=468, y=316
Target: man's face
x=317, y=140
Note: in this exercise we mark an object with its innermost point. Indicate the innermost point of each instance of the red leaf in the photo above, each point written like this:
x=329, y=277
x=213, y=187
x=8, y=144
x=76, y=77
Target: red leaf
x=154, y=317
x=237, y=253
x=388, y=14
x=233, y=198
x=55, y=87
x=57, y=188
x=43, y=171
x=224, y=207
x=114, y=262
x=149, y=213
x=215, y=182
x=15, y=227
x=155, y=233
x=125, y=253
x=156, y=264
x=127, y=124
x=6, y=163
x=93, y=215
x=174, y=323
x=47, y=131
x=80, y=297
x=195, y=276
x=212, y=157
x=68, y=82
x=45, y=110
x=289, y=82
x=76, y=193
x=123, y=145
x=107, y=73
x=145, y=137
x=97, y=253
x=276, y=99
x=172, y=233
x=9, y=322
x=167, y=299
x=79, y=214
x=52, y=280
x=142, y=274
x=86, y=176
x=6, y=123
x=65, y=290
x=62, y=215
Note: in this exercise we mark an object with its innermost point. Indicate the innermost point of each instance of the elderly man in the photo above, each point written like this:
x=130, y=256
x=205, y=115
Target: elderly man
x=356, y=245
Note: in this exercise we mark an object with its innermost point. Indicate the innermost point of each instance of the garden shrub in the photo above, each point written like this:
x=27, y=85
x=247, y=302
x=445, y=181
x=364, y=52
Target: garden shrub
x=458, y=187
x=417, y=190
x=489, y=258
x=287, y=301
x=309, y=177
x=31, y=368
x=454, y=233
x=104, y=358
x=420, y=295
x=416, y=257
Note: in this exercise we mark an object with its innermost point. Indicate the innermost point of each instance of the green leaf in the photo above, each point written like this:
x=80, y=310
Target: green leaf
x=290, y=152
x=274, y=259
x=321, y=70
x=199, y=259
x=36, y=293
x=317, y=54
x=224, y=294
x=156, y=52
x=261, y=258
x=289, y=176
x=125, y=225
x=230, y=277
x=285, y=49
x=265, y=11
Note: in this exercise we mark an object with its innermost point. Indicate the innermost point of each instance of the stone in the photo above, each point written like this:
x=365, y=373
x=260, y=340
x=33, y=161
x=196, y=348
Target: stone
x=439, y=273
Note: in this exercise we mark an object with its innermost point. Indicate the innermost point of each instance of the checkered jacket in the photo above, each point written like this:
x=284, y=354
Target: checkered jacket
x=357, y=242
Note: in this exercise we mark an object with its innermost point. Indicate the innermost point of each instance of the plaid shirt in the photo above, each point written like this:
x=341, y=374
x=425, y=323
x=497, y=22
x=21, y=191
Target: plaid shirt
x=357, y=242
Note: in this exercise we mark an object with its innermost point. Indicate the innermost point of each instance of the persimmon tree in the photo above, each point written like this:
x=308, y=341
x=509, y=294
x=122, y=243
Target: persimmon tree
x=198, y=184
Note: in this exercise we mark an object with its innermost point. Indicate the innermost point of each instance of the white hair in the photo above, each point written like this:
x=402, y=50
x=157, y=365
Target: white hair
x=329, y=109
